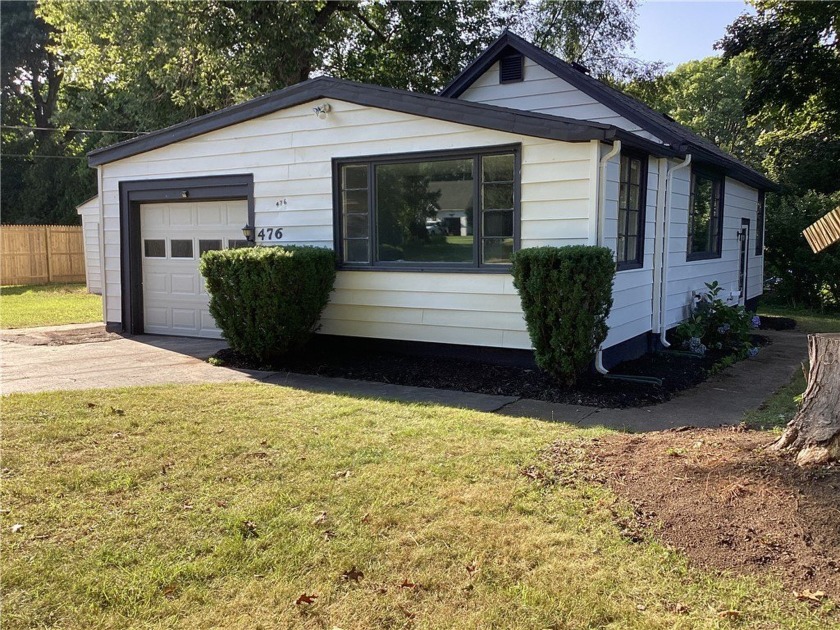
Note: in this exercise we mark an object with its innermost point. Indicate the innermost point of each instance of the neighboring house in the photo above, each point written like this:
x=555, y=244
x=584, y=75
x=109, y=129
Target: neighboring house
x=89, y=211
x=532, y=150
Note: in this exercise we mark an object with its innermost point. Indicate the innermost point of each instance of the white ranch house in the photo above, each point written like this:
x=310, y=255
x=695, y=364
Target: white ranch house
x=542, y=153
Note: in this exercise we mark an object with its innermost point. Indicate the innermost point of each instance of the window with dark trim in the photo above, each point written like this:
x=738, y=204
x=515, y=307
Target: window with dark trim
x=631, y=212
x=433, y=211
x=705, y=216
x=759, y=225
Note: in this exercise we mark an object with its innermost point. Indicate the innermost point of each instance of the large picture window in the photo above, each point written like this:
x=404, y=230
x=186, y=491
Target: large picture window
x=705, y=216
x=436, y=210
x=631, y=212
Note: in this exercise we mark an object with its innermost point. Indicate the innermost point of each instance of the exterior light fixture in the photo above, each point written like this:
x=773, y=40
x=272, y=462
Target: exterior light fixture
x=248, y=233
x=185, y=194
x=322, y=110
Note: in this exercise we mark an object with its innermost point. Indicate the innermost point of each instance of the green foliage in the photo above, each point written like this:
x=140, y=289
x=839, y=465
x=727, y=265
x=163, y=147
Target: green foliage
x=806, y=279
x=267, y=300
x=716, y=325
x=566, y=295
x=707, y=96
x=795, y=88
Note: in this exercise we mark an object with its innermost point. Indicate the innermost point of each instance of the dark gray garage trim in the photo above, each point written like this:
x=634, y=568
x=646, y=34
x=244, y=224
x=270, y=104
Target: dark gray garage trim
x=180, y=189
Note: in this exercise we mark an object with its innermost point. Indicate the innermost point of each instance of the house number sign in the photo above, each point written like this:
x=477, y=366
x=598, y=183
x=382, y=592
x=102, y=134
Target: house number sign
x=270, y=233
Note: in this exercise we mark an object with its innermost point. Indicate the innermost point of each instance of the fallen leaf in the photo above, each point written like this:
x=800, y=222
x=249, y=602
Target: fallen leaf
x=342, y=474
x=117, y=412
x=353, y=575
x=320, y=519
x=91, y=405
x=366, y=518
x=729, y=614
x=221, y=504
x=407, y=584
x=329, y=535
x=472, y=569
x=264, y=443
x=16, y=528
x=641, y=607
x=306, y=599
x=169, y=591
x=117, y=435
x=248, y=529
x=187, y=506
x=808, y=595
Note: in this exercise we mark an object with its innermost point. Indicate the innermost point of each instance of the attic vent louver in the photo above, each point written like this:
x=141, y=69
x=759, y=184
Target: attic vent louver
x=510, y=68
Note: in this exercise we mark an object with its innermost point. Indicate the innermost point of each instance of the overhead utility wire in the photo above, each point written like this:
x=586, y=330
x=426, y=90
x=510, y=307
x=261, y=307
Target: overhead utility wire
x=69, y=129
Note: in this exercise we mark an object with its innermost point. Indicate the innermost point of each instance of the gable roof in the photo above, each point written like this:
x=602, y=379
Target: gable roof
x=681, y=139
x=430, y=106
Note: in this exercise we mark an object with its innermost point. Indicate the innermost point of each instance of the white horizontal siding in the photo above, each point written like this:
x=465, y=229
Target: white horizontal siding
x=289, y=154
x=89, y=211
x=543, y=92
x=687, y=277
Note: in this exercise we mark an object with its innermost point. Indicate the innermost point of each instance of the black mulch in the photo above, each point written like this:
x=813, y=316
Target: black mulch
x=677, y=370
x=768, y=322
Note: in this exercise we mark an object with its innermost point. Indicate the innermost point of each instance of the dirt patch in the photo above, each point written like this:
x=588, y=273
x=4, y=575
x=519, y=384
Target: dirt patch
x=720, y=497
x=677, y=370
x=30, y=337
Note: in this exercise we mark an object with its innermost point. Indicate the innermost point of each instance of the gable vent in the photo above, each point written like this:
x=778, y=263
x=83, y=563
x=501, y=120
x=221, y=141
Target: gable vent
x=510, y=68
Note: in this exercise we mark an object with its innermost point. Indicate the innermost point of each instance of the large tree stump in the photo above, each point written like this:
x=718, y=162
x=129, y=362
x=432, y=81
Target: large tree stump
x=814, y=433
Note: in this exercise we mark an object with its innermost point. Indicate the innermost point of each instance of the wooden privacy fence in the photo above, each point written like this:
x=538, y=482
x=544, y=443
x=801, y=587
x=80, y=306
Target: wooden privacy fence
x=38, y=254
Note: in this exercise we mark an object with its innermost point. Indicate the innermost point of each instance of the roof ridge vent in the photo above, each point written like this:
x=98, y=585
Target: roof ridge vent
x=580, y=67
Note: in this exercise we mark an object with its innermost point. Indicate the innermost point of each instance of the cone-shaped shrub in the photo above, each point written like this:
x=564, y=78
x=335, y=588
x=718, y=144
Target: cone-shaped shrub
x=267, y=300
x=566, y=295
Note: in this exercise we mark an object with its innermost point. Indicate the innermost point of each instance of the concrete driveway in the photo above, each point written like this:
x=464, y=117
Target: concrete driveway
x=33, y=360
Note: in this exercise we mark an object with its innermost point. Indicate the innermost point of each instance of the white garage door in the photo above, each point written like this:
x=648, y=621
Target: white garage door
x=174, y=235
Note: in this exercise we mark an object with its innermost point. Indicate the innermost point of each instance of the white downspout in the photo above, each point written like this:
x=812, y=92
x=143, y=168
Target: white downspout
x=601, y=202
x=663, y=291
x=102, y=279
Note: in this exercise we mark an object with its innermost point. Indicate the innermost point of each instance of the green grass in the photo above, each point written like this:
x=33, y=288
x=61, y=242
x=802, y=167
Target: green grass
x=200, y=506
x=780, y=408
x=48, y=305
x=807, y=320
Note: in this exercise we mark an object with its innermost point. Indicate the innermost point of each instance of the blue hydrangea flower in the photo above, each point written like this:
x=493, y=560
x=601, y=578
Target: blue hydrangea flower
x=755, y=322
x=752, y=352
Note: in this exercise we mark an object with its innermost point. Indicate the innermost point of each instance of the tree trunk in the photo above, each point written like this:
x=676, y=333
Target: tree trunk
x=814, y=434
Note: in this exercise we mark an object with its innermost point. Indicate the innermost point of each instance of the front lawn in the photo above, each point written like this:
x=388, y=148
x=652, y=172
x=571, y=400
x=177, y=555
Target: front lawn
x=808, y=321
x=48, y=305
x=225, y=505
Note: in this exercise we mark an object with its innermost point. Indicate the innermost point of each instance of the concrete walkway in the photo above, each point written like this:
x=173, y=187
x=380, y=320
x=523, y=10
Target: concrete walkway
x=28, y=363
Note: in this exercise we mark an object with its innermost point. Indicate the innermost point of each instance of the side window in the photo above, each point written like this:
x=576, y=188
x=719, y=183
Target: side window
x=631, y=212
x=705, y=216
x=759, y=226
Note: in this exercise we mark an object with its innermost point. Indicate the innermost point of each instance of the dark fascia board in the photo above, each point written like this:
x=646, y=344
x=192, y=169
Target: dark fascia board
x=634, y=110
x=437, y=107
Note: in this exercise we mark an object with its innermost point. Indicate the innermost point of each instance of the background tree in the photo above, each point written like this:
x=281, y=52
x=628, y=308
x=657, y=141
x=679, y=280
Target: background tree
x=795, y=88
x=708, y=96
x=43, y=175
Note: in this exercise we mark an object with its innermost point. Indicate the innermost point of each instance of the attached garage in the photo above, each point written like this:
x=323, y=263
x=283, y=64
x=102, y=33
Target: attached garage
x=166, y=224
x=174, y=236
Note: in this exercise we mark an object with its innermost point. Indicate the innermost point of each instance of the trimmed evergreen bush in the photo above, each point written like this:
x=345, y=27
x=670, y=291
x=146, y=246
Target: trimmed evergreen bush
x=566, y=295
x=267, y=300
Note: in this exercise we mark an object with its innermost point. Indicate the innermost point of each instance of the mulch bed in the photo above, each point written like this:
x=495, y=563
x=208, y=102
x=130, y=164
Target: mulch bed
x=721, y=498
x=677, y=370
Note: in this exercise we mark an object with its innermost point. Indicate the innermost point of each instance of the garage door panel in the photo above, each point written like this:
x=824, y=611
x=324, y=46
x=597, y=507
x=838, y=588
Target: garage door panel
x=174, y=294
x=184, y=284
x=213, y=216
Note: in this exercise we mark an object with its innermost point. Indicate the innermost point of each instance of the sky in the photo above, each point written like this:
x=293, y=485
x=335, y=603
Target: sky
x=675, y=31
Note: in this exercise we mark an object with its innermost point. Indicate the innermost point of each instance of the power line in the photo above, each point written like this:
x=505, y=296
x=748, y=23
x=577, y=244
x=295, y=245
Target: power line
x=45, y=157
x=26, y=128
